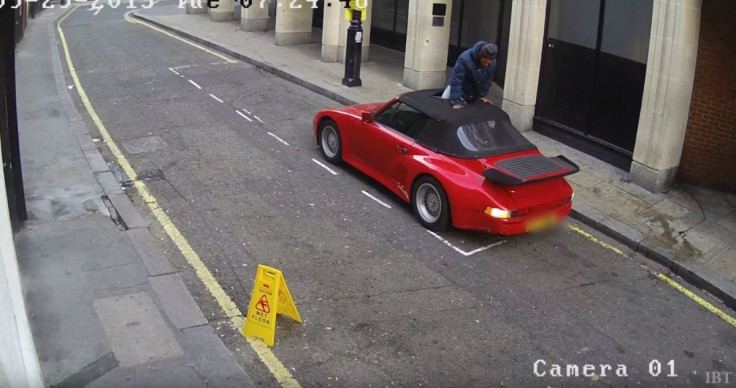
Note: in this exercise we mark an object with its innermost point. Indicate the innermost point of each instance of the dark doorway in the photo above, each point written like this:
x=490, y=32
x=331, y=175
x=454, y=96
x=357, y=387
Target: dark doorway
x=389, y=22
x=476, y=20
x=318, y=15
x=592, y=76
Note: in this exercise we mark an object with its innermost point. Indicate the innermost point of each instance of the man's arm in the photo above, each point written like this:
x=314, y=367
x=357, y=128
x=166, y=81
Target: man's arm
x=456, y=84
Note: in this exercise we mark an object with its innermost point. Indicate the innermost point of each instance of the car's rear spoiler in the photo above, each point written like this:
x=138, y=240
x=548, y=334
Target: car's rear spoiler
x=528, y=169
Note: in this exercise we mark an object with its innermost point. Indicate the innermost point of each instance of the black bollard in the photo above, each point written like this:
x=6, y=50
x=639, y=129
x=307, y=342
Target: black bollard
x=354, y=51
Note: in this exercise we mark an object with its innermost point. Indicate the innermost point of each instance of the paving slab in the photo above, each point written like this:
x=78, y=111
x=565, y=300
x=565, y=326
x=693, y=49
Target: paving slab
x=150, y=253
x=109, y=183
x=137, y=332
x=86, y=142
x=725, y=263
x=219, y=371
x=177, y=302
x=117, y=277
x=96, y=161
x=129, y=214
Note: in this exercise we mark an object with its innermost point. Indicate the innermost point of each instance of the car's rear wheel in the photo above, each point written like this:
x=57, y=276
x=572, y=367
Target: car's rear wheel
x=330, y=141
x=430, y=204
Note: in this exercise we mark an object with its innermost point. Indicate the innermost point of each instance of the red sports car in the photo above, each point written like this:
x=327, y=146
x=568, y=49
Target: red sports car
x=469, y=168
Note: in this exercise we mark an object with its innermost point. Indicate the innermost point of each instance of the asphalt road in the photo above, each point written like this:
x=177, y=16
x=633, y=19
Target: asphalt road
x=384, y=302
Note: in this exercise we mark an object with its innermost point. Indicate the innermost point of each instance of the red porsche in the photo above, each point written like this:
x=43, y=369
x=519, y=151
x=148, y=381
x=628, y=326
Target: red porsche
x=469, y=168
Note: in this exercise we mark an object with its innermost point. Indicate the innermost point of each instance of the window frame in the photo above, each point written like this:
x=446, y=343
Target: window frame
x=395, y=106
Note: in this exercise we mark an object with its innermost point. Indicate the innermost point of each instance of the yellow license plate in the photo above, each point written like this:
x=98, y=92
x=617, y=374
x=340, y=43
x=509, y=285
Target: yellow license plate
x=542, y=223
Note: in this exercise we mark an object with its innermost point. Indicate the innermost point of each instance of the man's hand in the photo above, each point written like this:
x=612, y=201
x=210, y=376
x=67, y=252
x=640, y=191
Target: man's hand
x=487, y=101
x=458, y=106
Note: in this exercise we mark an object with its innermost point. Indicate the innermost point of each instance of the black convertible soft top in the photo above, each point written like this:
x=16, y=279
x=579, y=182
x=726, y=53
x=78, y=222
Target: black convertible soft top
x=430, y=103
x=476, y=131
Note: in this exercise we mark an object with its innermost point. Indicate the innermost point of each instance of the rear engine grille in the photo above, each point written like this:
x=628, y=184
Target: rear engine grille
x=529, y=166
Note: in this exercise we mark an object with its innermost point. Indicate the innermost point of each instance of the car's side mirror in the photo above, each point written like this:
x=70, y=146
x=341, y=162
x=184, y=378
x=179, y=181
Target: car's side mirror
x=367, y=117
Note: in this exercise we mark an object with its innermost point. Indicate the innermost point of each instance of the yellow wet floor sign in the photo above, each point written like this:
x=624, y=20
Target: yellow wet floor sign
x=261, y=319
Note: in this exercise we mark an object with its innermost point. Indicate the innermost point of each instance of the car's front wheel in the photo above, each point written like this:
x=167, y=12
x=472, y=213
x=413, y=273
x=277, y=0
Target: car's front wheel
x=330, y=141
x=430, y=204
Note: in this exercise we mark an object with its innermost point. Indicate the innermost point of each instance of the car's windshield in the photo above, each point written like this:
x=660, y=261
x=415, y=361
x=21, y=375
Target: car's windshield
x=476, y=140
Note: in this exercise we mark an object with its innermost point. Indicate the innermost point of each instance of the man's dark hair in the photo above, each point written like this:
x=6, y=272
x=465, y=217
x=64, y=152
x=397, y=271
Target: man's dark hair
x=489, y=51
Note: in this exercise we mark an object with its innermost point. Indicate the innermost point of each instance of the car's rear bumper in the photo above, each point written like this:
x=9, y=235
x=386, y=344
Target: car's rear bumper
x=517, y=225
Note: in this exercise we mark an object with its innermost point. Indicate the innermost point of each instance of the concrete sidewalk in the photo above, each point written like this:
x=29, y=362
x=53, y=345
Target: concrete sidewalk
x=105, y=306
x=690, y=230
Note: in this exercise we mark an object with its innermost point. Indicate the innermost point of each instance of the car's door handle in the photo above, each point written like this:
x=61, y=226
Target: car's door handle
x=402, y=149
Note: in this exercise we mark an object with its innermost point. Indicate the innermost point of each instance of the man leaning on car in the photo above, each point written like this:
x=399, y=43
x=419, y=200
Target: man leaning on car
x=472, y=75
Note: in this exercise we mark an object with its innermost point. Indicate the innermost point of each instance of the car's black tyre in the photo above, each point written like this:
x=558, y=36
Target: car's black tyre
x=430, y=204
x=330, y=141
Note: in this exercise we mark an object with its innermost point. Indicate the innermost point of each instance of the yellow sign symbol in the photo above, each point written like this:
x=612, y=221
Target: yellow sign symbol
x=262, y=305
x=261, y=319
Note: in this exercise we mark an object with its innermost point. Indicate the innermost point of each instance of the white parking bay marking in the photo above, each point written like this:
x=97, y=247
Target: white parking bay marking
x=376, y=199
x=325, y=167
x=462, y=252
x=241, y=113
x=195, y=84
x=215, y=97
x=175, y=72
x=278, y=138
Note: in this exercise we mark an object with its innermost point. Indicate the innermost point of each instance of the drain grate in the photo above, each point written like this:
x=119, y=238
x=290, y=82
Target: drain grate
x=151, y=175
x=114, y=215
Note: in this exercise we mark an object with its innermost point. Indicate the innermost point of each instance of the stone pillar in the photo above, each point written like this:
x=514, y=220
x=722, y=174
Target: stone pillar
x=526, y=37
x=223, y=11
x=255, y=17
x=332, y=29
x=673, y=49
x=293, y=24
x=238, y=10
x=427, y=40
x=196, y=6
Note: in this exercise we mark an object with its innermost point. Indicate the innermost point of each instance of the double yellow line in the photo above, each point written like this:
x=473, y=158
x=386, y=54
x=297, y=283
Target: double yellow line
x=702, y=302
x=130, y=19
x=274, y=365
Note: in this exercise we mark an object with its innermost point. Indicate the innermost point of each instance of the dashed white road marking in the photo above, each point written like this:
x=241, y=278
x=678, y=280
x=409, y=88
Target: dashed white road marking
x=246, y=111
x=246, y=117
x=325, y=167
x=376, y=199
x=195, y=84
x=462, y=252
x=215, y=97
x=278, y=138
x=183, y=66
x=259, y=119
x=175, y=72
